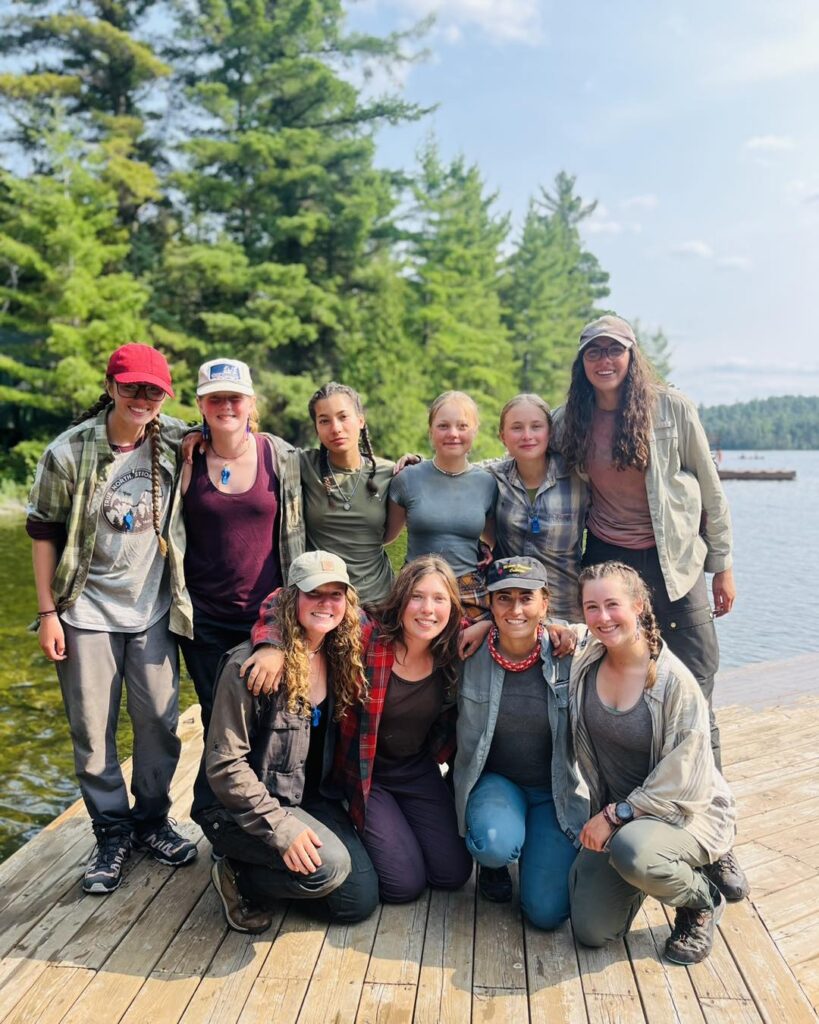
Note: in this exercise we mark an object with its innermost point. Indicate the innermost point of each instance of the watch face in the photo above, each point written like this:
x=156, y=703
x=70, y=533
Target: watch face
x=624, y=811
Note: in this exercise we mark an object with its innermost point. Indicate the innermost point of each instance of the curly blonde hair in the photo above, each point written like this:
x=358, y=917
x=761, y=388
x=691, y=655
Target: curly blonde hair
x=342, y=646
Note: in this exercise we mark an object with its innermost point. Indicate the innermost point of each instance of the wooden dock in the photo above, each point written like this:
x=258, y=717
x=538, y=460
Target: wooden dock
x=158, y=950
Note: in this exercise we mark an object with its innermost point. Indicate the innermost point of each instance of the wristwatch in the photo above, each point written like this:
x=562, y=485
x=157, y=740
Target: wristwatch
x=624, y=812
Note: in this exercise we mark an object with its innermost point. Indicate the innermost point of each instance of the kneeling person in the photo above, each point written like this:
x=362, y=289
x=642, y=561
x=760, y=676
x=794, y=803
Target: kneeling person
x=261, y=796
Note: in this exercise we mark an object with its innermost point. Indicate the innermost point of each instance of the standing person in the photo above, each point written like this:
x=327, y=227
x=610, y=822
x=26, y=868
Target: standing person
x=517, y=791
x=656, y=504
x=391, y=744
x=661, y=810
x=541, y=506
x=108, y=574
x=345, y=491
x=241, y=501
x=446, y=503
x=263, y=797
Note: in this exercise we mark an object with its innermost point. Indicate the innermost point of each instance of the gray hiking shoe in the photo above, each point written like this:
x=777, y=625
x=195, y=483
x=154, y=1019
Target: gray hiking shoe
x=104, y=871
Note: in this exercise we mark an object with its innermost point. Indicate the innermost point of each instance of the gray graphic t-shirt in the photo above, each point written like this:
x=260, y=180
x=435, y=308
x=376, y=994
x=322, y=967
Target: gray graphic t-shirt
x=127, y=588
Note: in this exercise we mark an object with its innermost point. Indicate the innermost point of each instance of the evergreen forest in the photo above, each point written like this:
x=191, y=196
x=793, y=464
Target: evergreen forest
x=790, y=421
x=201, y=175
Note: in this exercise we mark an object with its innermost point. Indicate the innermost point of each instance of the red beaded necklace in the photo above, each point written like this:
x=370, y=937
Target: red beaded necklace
x=514, y=666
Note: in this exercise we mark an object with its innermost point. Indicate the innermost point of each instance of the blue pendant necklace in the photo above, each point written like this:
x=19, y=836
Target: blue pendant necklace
x=224, y=475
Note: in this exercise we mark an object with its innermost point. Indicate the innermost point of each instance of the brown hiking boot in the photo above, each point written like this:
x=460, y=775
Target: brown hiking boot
x=728, y=877
x=692, y=939
x=241, y=915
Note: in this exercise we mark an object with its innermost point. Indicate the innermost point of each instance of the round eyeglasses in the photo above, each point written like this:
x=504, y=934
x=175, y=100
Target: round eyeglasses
x=594, y=353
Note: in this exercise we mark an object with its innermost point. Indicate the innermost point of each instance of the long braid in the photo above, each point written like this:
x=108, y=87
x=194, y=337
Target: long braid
x=153, y=430
x=100, y=404
x=326, y=474
x=365, y=446
x=651, y=631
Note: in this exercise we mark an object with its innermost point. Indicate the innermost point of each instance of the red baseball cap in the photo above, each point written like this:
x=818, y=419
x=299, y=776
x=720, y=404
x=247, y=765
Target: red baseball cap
x=140, y=364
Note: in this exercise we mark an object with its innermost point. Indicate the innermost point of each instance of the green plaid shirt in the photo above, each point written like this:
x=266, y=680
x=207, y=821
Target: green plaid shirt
x=69, y=486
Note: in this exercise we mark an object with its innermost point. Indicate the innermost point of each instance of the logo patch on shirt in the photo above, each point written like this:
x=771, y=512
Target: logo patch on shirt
x=127, y=505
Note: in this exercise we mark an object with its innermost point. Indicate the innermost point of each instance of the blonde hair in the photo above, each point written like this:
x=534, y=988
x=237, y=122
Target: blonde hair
x=532, y=399
x=459, y=397
x=635, y=587
x=342, y=646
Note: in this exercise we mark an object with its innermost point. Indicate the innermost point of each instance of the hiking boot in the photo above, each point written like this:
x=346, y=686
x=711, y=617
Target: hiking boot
x=166, y=845
x=240, y=915
x=495, y=884
x=104, y=871
x=692, y=939
x=728, y=877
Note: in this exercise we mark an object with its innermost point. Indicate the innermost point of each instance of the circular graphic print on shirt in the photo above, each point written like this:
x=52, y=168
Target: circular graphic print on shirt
x=127, y=505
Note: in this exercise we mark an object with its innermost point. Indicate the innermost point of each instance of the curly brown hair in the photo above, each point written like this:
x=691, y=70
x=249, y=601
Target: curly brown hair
x=444, y=648
x=632, y=428
x=342, y=646
x=635, y=586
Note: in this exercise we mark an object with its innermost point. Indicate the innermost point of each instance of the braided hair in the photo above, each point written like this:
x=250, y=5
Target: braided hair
x=636, y=588
x=152, y=431
x=365, y=446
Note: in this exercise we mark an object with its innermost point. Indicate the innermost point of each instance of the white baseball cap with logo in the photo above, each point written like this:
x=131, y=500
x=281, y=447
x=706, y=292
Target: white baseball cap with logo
x=224, y=375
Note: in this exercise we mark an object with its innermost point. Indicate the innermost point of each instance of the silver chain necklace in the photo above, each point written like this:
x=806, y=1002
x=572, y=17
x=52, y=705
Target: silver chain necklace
x=346, y=502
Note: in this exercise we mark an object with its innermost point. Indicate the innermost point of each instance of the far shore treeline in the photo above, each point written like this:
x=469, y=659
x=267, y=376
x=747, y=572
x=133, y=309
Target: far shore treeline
x=787, y=422
x=201, y=175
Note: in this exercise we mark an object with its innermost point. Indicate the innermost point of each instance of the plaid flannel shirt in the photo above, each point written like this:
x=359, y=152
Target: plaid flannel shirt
x=69, y=487
x=358, y=726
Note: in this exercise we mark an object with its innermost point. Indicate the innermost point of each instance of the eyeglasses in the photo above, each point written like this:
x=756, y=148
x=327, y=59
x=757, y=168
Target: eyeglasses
x=150, y=391
x=594, y=353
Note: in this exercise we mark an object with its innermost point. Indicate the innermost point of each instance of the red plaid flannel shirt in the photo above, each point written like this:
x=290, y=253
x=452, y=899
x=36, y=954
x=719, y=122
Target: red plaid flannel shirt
x=358, y=727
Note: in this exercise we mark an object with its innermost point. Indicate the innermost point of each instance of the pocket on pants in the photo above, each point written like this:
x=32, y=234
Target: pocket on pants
x=691, y=635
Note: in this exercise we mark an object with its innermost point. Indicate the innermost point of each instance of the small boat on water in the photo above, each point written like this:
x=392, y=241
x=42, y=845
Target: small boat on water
x=756, y=474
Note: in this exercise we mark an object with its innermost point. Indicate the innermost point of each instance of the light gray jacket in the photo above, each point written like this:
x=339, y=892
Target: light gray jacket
x=683, y=786
x=689, y=511
x=479, y=698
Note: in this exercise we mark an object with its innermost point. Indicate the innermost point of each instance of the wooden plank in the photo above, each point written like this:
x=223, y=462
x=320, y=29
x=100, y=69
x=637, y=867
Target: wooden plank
x=752, y=854
x=553, y=976
x=499, y=952
x=499, y=1006
x=335, y=989
x=808, y=976
x=272, y=1000
x=399, y=942
x=665, y=991
x=609, y=985
x=770, y=823
x=794, y=903
x=771, y=983
x=386, y=1004
x=769, y=876
x=48, y=1001
x=445, y=981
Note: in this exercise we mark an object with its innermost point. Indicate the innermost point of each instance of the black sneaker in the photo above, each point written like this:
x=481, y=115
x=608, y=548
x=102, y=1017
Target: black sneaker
x=104, y=871
x=728, y=877
x=240, y=915
x=495, y=884
x=692, y=939
x=166, y=845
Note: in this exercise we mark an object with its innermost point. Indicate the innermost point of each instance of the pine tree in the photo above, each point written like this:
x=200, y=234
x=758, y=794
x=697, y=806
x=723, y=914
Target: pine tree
x=456, y=315
x=656, y=346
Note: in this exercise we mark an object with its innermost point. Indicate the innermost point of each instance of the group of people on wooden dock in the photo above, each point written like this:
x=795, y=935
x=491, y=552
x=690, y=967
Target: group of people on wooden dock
x=534, y=685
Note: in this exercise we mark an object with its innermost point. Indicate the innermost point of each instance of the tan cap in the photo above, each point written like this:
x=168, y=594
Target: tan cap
x=608, y=326
x=229, y=375
x=315, y=568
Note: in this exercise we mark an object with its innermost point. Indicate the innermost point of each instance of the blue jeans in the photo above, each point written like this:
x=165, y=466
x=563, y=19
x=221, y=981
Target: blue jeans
x=506, y=822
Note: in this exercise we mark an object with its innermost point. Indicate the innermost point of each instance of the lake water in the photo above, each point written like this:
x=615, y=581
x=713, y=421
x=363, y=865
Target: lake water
x=776, y=538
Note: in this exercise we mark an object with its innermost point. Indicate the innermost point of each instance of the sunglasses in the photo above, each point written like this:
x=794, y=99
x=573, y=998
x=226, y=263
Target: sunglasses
x=150, y=391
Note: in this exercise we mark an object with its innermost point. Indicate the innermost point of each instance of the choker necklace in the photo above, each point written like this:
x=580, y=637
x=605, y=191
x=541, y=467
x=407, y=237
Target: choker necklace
x=346, y=502
x=224, y=476
x=514, y=666
x=448, y=472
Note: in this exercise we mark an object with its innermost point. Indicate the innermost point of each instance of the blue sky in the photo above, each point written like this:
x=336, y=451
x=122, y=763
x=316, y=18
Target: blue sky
x=694, y=126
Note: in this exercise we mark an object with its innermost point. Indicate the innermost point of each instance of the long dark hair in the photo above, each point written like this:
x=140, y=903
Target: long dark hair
x=632, y=428
x=444, y=648
x=152, y=430
x=365, y=446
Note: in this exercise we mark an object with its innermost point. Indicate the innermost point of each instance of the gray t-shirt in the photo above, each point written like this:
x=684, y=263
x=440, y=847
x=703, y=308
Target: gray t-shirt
x=127, y=588
x=445, y=514
x=521, y=747
x=355, y=534
x=621, y=740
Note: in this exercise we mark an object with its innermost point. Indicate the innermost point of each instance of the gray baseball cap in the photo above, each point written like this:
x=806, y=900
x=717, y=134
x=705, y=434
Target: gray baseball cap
x=315, y=568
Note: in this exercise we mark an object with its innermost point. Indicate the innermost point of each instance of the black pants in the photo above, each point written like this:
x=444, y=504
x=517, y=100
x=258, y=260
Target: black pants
x=687, y=625
x=211, y=641
x=344, y=888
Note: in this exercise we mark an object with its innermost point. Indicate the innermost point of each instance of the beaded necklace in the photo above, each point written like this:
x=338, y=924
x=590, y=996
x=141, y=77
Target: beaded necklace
x=514, y=666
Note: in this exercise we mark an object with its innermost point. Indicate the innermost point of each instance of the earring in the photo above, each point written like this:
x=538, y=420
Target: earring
x=247, y=426
x=205, y=431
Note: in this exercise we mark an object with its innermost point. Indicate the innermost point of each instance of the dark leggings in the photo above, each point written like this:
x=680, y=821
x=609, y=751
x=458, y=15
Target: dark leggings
x=687, y=625
x=411, y=831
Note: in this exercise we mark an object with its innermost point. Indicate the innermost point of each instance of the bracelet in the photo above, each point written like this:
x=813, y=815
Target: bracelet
x=609, y=819
x=51, y=611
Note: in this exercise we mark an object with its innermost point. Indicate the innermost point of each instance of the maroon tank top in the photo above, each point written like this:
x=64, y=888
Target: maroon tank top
x=232, y=554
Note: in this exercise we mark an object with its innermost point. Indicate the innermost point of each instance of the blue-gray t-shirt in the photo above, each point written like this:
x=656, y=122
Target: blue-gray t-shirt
x=445, y=514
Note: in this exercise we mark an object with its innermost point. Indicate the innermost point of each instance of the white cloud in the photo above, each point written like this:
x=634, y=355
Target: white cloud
x=507, y=21
x=735, y=262
x=648, y=201
x=695, y=247
x=601, y=223
x=769, y=143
